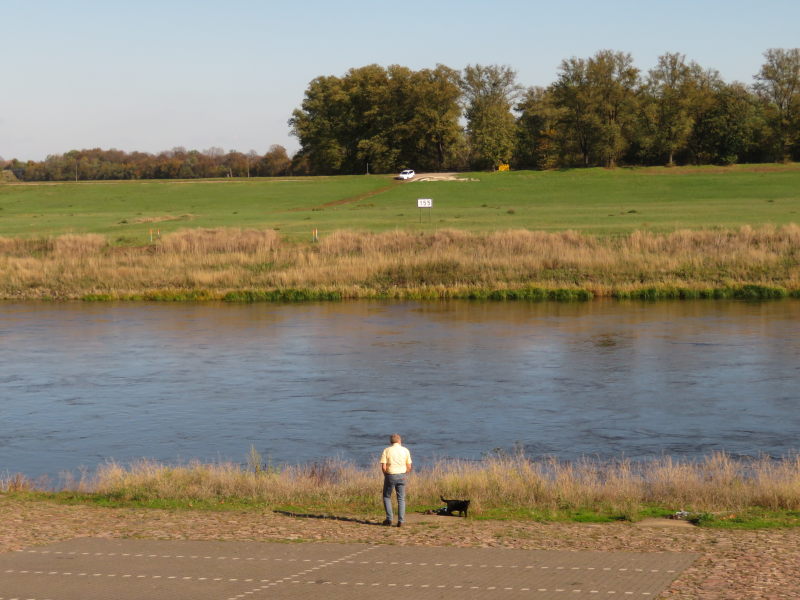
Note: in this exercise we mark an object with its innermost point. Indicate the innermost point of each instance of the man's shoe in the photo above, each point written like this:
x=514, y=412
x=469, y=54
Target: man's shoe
x=387, y=522
x=399, y=523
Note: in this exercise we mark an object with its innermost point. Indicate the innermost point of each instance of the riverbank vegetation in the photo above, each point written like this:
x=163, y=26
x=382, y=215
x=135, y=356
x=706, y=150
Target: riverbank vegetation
x=715, y=491
x=256, y=265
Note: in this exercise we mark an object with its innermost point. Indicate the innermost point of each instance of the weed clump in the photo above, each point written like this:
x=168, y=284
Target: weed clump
x=281, y=295
x=745, y=292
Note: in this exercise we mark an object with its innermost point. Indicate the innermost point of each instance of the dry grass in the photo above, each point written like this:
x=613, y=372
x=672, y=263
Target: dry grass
x=400, y=263
x=510, y=484
x=16, y=483
x=199, y=242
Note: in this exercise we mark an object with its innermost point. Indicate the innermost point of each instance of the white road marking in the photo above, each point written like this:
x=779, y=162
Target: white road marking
x=323, y=563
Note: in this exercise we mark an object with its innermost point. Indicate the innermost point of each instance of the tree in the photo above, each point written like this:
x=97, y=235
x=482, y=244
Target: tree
x=669, y=90
x=597, y=98
x=705, y=88
x=344, y=123
x=578, y=121
x=252, y=162
x=369, y=137
x=433, y=133
x=778, y=82
x=537, y=130
x=489, y=92
x=318, y=123
x=613, y=81
x=300, y=164
x=276, y=161
x=730, y=128
x=378, y=120
x=236, y=163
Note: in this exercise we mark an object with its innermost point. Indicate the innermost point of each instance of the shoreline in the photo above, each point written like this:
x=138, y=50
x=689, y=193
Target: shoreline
x=715, y=490
x=743, y=292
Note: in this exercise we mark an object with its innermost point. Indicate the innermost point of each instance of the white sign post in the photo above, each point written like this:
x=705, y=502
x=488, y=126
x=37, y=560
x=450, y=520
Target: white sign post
x=424, y=203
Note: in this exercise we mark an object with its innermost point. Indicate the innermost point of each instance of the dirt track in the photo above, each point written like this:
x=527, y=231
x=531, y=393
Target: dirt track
x=439, y=177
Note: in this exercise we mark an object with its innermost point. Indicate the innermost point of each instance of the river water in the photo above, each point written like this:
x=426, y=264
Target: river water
x=82, y=383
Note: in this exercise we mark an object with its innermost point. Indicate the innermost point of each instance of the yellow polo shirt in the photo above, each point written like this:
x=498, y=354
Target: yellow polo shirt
x=396, y=457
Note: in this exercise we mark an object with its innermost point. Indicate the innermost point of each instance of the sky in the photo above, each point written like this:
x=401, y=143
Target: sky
x=153, y=75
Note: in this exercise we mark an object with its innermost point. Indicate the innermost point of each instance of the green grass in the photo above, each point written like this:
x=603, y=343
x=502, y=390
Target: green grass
x=115, y=501
x=600, y=201
x=596, y=201
x=122, y=209
x=753, y=518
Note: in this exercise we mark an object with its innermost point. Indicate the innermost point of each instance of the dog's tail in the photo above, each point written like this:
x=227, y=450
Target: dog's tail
x=442, y=498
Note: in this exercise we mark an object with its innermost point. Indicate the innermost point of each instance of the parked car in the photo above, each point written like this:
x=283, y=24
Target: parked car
x=407, y=174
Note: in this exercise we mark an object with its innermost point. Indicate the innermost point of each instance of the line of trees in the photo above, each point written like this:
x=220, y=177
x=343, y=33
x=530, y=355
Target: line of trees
x=178, y=163
x=600, y=111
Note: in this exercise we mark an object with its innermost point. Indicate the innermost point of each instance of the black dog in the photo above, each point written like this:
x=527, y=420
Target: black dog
x=459, y=506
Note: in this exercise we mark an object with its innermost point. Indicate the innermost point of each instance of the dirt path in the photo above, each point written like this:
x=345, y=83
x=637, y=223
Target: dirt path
x=438, y=177
x=360, y=197
x=386, y=188
x=350, y=200
x=752, y=565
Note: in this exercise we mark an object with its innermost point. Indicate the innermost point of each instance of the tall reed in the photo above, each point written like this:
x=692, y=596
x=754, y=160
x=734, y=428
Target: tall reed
x=404, y=264
x=511, y=483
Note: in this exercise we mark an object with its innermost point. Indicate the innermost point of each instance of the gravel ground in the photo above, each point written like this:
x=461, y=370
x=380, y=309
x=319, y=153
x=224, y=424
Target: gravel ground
x=752, y=565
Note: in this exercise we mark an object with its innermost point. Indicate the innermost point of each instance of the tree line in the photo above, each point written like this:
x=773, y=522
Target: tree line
x=600, y=111
x=178, y=163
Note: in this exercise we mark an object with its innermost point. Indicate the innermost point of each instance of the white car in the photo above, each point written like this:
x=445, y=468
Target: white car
x=407, y=174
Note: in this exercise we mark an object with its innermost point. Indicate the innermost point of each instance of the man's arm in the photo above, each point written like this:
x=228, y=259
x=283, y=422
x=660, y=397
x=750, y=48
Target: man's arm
x=384, y=461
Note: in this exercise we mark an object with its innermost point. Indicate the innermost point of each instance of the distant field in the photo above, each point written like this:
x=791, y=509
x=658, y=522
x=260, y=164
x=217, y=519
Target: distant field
x=595, y=201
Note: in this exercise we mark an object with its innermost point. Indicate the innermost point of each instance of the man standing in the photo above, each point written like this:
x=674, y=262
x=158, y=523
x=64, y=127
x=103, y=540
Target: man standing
x=395, y=463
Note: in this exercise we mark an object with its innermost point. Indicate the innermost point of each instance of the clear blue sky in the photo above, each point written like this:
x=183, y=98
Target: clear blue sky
x=151, y=75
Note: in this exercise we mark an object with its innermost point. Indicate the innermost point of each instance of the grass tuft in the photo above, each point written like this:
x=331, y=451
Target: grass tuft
x=281, y=295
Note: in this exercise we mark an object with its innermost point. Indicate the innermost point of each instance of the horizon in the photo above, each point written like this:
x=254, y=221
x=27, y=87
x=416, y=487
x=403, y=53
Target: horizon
x=153, y=77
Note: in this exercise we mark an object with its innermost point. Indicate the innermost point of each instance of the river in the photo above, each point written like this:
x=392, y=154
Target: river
x=82, y=383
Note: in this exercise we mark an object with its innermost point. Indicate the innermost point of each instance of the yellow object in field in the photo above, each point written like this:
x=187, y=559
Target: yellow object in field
x=503, y=167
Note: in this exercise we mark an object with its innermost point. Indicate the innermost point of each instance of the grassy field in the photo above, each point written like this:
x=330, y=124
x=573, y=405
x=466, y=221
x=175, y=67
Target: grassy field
x=127, y=211
x=596, y=201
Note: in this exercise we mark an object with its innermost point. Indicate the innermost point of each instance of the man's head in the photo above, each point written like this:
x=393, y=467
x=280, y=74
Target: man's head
x=395, y=438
